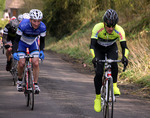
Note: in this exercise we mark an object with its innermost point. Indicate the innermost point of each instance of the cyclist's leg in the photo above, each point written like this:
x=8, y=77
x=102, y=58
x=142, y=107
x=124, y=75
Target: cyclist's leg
x=98, y=78
x=8, y=56
x=21, y=64
x=35, y=62
x=113, y=54
x=34, y=50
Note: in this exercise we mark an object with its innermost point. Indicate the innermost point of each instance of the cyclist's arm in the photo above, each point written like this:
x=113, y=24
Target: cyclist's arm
x=97, y=28
x=92, y=46
x=125, y=50
x=15, y=45
x=42, y=43
x=4, y=39
x=5, y=34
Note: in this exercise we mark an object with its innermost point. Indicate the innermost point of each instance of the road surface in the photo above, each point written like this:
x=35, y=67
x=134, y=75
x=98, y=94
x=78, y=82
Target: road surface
x=65, y=93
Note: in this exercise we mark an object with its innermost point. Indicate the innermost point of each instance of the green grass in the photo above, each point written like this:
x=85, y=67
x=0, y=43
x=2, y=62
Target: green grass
x=144, y=81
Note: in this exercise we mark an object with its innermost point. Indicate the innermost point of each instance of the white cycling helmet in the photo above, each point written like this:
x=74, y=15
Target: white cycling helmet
x=26, y=16
x=36, y=14
x=20, y=17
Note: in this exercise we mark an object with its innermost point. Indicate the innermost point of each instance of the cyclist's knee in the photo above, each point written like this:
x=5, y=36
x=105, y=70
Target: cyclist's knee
x=9, y=52
x=21, y=64
x=35, y=63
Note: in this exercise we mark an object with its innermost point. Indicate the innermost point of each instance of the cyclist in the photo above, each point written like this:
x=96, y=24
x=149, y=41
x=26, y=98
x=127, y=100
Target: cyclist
x=1, y=35
x=20, y=18
x=103, y=40
x=9, y=35
x=26, y=16
x=27, y=34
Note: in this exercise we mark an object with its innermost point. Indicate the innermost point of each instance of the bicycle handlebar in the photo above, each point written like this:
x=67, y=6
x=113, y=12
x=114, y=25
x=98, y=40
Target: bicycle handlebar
x=28, y=56
x=109, y=61
x=112, y=61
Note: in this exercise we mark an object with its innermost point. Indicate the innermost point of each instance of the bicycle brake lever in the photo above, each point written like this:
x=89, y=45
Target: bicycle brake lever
x=124, y=68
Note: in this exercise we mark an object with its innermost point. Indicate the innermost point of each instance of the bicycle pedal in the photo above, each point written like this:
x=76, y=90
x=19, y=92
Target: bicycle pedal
x=117, y=95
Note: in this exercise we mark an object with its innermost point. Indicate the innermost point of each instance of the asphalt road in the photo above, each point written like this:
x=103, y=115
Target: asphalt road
x=65, y=93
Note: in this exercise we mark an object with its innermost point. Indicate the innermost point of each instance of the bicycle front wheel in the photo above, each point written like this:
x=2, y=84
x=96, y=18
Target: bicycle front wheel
x=111, y=98
x=107, y=100
x=31, y=90
x=15, y=77
x=105, y=94
x=26, y=92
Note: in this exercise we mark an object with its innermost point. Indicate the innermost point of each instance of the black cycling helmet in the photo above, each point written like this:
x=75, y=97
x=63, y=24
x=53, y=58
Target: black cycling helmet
x=14, y=24
x=110, y=17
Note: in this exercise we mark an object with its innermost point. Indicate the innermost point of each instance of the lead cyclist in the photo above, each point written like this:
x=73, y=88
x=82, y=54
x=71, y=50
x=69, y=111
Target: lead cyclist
x=27, y=33
x=103, y=40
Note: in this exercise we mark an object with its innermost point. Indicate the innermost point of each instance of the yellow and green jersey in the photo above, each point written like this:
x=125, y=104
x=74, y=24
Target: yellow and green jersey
x=106, y=39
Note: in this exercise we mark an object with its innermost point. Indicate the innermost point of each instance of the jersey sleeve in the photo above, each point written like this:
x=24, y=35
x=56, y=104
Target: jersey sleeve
x=20, y=28
x=95, y=32
x=19, y=32
x=43, y=30
x=120, y=31
x=6, y=28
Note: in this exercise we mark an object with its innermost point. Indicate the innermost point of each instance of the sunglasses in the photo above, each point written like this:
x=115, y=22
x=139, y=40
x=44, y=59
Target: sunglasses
x=110, y=25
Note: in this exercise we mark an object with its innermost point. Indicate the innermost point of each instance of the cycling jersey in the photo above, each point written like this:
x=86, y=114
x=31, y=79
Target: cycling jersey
x=11, y=33
x=106, y=39
x=28, y=33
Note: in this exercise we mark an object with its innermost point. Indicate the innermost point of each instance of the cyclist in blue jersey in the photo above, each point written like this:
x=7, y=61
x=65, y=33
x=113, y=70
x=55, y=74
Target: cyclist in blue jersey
x=26, y=37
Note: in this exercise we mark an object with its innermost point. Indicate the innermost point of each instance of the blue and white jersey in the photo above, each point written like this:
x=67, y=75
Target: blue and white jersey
x=28, y=33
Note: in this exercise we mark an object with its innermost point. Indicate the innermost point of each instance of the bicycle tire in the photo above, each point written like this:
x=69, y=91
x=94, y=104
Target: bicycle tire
x=14, y=71
x=26, y=92
x=104, y=99
x=31, y=92
x=15, y=77
x=111, y=100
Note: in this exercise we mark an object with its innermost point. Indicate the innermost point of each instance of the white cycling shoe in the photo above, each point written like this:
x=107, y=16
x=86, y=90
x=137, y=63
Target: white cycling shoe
x=19, y=86
x=37, y=89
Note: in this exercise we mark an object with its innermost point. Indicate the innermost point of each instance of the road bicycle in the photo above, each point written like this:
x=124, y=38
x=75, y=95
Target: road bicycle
x=28, y=82
x=107, y=94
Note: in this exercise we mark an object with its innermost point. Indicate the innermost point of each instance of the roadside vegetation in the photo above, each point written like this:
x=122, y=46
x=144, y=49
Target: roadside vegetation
x=134, y=18
x=3, y=23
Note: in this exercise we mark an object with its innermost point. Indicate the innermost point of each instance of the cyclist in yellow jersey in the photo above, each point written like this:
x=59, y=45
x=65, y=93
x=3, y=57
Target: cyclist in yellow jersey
x=103, y=40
